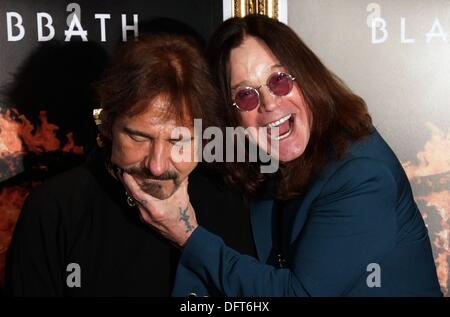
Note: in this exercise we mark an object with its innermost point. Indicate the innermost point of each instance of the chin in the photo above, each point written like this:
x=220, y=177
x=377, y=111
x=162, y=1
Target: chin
x=163, y=196
x=160, y=194
x=293, y=143
x=290, y=151
x=158, y=191
x=287, y=157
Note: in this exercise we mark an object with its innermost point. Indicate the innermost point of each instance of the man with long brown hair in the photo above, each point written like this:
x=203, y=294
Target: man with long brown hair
x=80, y=234
x=338, y=219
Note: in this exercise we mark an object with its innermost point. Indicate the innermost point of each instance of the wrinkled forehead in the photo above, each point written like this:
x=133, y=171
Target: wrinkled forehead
x=251, y=60
x=162, y=111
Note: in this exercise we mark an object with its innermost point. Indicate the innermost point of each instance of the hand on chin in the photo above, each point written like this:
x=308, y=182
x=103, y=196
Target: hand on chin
x=173, y=217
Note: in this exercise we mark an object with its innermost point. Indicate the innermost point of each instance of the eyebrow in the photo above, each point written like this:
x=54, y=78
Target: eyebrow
x=245, y=82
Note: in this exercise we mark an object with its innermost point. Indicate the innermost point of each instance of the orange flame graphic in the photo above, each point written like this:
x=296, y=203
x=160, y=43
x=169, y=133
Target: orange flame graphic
x=17, y=138
x=430, y=179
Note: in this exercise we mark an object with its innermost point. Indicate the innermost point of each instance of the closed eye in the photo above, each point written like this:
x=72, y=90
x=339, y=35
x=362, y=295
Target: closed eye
x=138, y=138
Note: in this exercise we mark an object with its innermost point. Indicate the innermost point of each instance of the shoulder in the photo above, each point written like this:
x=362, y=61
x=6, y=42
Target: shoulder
x=374, y=147
x=360, y=171
x=368, y=164
x=60, y=195
x=75, y=181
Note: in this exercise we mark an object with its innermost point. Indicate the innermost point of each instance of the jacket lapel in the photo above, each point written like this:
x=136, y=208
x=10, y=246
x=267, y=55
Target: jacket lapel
x=261, y=218
x=304, y=205
x=301, y=207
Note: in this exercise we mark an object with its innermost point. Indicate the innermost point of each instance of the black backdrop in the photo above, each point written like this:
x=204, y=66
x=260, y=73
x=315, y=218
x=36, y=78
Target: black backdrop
x=202, y=15
x=55, y=76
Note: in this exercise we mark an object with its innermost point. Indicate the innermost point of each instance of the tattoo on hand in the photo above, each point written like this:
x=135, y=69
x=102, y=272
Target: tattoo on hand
x=185, y=218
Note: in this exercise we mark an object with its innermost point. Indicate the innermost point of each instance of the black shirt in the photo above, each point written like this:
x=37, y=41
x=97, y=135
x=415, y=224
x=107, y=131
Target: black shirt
x=82, y=217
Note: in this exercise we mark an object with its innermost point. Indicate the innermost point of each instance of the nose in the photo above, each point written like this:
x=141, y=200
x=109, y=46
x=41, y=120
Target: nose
x=158, y=158
x=268, y=101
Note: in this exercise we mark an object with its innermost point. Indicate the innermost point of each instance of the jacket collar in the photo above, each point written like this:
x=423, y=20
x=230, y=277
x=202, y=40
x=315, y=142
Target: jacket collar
x=261, y=218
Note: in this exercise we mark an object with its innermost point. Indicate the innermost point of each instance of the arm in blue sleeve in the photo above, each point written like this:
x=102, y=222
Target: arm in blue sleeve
x=350, y=225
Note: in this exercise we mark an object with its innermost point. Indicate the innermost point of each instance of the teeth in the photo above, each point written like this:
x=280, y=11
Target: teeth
x=284, y=136
x=278, y=122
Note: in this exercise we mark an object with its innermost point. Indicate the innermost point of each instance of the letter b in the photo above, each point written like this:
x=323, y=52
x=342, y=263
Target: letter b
x=18, y=24
x=48, y=25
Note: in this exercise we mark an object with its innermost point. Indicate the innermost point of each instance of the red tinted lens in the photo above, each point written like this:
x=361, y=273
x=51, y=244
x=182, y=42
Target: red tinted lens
x=247, y=99
x=280, y=84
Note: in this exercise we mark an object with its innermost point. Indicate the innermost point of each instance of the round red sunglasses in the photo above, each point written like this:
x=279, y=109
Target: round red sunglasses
x=279, y=84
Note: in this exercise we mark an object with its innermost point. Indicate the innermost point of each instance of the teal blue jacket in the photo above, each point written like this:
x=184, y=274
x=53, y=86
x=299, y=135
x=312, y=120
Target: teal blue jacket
x=356, y=232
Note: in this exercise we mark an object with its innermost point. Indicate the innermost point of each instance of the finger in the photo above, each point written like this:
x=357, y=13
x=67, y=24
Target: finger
x=145, y=217
x=132, y=186
x=130, y=182
x=141, y=217
x=184, y=185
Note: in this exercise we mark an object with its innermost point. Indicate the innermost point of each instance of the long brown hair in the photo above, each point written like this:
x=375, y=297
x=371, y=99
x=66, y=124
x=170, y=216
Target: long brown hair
x=339, y=116
x=160, y=64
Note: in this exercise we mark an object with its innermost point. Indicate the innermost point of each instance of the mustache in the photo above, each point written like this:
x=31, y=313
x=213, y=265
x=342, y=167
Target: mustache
x=147, y=174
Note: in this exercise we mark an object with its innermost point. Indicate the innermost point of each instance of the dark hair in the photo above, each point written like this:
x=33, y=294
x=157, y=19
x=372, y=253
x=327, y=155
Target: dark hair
x=158, y=64
x=339, y=116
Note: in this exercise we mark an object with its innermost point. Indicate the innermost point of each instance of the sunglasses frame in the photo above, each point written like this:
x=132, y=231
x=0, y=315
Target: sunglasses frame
x=291, y=78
